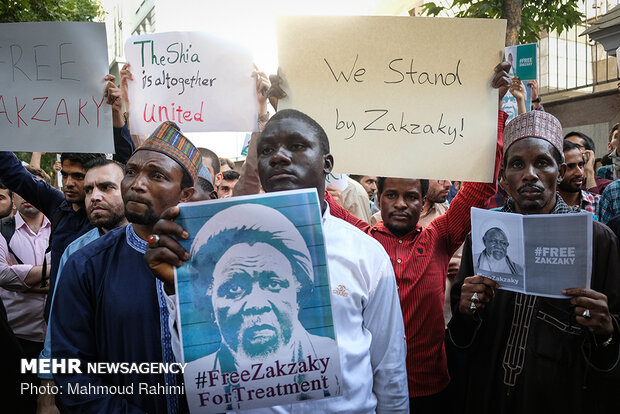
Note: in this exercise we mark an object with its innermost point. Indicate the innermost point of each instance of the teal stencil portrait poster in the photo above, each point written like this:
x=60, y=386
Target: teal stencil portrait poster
x=254, y=302
x=523, y=61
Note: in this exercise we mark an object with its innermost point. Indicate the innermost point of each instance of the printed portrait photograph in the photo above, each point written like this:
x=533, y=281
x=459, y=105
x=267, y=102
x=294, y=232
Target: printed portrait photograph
x=497, y=247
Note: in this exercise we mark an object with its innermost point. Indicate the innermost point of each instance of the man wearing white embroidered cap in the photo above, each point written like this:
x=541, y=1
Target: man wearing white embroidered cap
x=529, y=353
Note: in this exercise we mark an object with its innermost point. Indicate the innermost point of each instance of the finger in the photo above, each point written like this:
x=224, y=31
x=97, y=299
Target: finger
x=170, y=253
x=469, y=307
x=481, y=279
x=502, y=67
x=170, y=213
x=109, y=85
x=592, y=319
x=592, y=304
x=171, y=244
x=161, y=269
x=502, y=81
x=483, y=293
x=169, y=228
x=109, y=77
x=584, y=292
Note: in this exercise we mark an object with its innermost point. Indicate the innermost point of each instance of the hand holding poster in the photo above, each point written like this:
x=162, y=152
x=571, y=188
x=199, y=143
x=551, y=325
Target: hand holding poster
x=201, y=82
x=397, y=94
x=523, y=64
x=51, y=91
x=254, y=301
x=336, y=181
x=538, y=254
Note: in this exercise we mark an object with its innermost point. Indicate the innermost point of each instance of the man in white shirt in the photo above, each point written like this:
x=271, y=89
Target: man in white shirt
x=293, y=153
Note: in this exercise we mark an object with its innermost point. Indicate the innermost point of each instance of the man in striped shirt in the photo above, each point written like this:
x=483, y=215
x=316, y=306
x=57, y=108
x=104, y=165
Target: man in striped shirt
x=420, y=257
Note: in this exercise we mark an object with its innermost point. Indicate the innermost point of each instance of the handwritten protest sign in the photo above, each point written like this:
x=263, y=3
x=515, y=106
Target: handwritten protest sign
x=51, y=88
x=538, y=254
x=397, y=96
x=337, y=181
x=254, y=302
x=201, y=82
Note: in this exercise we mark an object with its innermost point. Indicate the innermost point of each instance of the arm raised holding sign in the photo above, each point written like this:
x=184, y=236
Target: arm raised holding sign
x=115, y=96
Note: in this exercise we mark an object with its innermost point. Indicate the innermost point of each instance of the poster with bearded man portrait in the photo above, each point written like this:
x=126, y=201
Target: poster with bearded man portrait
x=497, y=242
x=254, y=301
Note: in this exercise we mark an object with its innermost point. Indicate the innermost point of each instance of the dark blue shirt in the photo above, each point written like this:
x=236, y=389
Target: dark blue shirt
x=107, y=310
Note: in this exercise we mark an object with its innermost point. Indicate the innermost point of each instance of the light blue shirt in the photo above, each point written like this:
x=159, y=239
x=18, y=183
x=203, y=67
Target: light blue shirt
x=76, y=245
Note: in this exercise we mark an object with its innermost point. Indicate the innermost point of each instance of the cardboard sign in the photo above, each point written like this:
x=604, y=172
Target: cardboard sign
x=51, y=89
x=254, y=298
x=397, y=96
x=200, y=82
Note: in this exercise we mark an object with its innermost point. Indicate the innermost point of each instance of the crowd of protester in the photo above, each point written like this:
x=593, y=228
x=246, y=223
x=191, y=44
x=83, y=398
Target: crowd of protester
x=86, y=271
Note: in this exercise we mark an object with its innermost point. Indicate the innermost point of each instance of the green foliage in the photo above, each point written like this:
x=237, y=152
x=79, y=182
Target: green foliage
x=50, y=10
x=47, y=160
x=537, y=15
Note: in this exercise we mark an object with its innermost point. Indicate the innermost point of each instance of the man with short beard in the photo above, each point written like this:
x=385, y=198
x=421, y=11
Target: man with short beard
x=108, y=306
x=65, y=209
x=571, y=186
x=105, y=210
x=6, y=201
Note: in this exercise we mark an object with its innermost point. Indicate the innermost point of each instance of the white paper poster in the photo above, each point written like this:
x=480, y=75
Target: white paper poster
x=537, y=254
x=51, y=89
x=199, y=81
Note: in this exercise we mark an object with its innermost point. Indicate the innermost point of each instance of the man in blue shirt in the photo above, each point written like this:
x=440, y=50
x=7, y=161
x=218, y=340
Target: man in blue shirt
x=109, y=307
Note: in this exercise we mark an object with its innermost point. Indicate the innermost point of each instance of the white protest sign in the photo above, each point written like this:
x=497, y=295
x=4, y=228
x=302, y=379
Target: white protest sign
x=397, y=96
x=338, y=181
x=51, y=90
x=536, y=254
x=201, y=82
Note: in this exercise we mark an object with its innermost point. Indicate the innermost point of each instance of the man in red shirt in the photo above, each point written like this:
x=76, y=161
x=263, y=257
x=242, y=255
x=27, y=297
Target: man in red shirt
x=420, y=257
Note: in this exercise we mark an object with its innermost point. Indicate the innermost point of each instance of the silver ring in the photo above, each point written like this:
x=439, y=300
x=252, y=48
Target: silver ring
x=586, y=314
x=473, y=307
x=474, y=297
